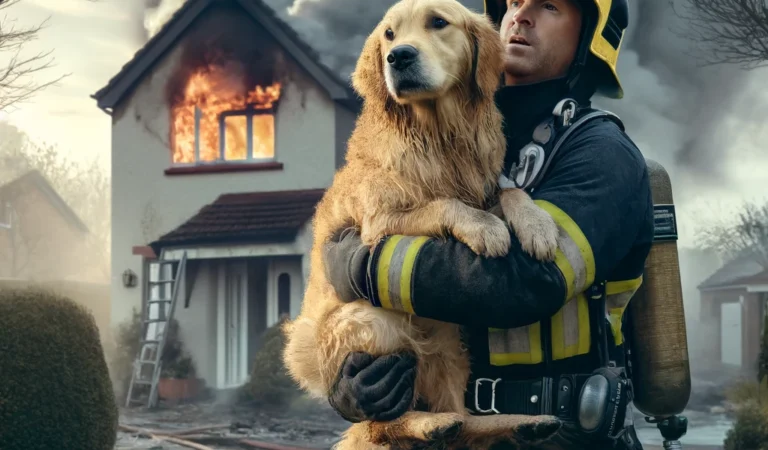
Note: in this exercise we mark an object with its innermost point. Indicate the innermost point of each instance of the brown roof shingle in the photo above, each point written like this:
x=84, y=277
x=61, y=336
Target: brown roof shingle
x=257, y=217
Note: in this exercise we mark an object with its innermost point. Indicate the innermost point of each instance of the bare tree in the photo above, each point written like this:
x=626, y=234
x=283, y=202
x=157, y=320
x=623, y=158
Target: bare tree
x=19, y=75
x=726, y=32
x=746, y=236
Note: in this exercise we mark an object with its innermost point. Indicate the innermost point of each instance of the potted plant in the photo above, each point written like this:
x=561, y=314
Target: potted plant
x=178, y=380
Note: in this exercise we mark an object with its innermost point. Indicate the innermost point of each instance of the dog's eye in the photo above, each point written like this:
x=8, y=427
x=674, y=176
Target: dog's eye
x=439, y=23
x=389, y=34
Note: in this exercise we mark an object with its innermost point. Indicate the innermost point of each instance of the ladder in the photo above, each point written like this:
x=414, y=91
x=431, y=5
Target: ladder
x=151, y=348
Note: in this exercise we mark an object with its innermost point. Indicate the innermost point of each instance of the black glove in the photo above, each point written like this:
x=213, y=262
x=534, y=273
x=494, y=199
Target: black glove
x=346, y=265
x=374, y=388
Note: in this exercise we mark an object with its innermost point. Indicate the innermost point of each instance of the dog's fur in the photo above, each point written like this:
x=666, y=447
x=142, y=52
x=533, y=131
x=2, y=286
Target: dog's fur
x=423, y=161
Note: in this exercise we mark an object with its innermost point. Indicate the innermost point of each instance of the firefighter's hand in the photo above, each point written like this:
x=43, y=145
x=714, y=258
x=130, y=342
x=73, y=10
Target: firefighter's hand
x=374, y=388
x=346, y=265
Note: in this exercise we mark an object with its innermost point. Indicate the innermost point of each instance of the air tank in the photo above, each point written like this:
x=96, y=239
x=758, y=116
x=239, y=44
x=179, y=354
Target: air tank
x=658, y=341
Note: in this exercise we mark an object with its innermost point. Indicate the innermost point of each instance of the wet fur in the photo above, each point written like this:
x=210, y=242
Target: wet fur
x=419, y=165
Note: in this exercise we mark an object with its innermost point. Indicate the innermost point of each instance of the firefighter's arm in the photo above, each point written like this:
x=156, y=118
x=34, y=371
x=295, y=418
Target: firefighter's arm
x=597, y=191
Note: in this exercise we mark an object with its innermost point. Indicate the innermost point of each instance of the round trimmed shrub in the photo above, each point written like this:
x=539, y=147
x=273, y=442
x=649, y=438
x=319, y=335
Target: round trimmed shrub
x=55, y=391
x=270, y=383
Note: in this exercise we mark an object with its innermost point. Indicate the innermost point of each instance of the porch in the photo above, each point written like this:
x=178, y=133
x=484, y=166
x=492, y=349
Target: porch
x=247, y=262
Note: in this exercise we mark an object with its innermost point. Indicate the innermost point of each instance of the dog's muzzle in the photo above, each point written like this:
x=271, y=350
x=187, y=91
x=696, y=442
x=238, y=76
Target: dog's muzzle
x=404, y=73
x=402, y=57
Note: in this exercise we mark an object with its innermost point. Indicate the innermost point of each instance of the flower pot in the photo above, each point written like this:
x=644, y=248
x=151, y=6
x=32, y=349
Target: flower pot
x=176, y=389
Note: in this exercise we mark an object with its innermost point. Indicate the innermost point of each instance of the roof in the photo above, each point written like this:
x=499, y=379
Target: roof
x=739, y=272
x=132, y=72
x=36, y=179
x=246, y=218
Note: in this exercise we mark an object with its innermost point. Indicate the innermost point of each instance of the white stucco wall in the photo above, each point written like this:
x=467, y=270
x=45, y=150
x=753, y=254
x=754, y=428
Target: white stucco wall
x=146, y=203
x=197, y=324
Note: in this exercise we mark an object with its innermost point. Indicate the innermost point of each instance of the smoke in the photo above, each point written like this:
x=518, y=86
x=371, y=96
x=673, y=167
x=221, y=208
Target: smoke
x=702, y=124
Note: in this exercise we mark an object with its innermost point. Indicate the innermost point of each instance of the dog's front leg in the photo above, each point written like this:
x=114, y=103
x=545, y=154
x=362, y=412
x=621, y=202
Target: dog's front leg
x=483, y=232
x=534, y=227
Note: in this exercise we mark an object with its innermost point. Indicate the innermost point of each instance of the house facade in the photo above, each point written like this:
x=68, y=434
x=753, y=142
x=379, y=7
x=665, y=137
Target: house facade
x=733, y=308
x=41, y=237
x=226, y=129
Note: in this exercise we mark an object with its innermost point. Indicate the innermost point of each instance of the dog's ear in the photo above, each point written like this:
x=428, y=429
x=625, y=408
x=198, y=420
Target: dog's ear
x=368, y=77
x=487, y=58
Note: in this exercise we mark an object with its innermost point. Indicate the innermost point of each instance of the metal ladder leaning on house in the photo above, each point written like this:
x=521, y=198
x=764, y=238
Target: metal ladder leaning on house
x=166, y=308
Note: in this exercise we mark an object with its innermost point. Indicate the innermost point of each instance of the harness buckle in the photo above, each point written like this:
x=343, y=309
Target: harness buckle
x=493, y=382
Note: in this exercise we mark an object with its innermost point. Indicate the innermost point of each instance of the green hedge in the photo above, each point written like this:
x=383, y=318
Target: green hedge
x=55, y=391
x=270, y=383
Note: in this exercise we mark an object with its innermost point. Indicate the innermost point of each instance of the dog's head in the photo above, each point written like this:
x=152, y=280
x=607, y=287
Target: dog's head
x=422, y=49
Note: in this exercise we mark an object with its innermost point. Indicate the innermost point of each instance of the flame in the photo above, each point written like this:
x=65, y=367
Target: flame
x=209, y=92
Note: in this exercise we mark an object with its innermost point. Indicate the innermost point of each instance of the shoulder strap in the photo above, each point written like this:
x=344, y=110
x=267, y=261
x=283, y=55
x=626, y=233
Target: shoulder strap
x=548, y=137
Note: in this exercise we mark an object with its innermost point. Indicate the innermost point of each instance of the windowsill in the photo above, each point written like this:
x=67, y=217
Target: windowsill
x=224, y=168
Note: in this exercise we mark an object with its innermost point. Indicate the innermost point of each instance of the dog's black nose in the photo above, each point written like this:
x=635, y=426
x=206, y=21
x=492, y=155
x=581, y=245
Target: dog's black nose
x=402, y=56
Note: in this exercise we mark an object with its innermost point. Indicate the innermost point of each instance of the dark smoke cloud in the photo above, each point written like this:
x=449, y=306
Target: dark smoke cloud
x=672, y=108
x=684, y=116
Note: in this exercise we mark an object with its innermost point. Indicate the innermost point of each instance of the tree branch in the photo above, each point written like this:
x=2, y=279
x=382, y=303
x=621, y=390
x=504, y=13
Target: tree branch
x=726, y=32
x=744, y=237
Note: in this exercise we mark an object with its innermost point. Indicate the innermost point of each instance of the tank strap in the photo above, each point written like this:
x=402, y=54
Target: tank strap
x=597, y=309
x=548, y=137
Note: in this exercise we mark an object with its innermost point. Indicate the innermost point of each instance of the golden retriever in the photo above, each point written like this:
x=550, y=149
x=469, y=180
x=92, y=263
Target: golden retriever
x=424, y=159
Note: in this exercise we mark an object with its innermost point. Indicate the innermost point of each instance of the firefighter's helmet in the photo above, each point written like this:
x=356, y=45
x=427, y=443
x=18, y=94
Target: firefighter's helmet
x=605, y=22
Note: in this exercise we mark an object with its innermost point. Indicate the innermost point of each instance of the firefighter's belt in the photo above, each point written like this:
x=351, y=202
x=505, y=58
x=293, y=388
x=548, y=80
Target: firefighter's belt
x=540, y=396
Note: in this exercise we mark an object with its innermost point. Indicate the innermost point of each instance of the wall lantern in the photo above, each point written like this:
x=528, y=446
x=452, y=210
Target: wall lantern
x=129, y=278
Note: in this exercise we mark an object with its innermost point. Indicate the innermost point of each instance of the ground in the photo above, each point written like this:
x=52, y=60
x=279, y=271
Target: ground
x=309, y=425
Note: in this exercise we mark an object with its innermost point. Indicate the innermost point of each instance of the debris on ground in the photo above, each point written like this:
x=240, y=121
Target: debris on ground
x=304, y=426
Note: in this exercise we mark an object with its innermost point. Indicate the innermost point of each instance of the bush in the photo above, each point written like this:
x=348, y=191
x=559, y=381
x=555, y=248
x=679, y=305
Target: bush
x=750, y=427
x=270, y=383
x=127, y=344
x=176, y=361
x=55, y=390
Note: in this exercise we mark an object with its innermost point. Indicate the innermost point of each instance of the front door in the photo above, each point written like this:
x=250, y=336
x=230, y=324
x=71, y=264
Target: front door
x=233, y=324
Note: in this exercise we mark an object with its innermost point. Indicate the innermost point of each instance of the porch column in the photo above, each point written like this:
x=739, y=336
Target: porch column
x=710, y=328
x=752, y=323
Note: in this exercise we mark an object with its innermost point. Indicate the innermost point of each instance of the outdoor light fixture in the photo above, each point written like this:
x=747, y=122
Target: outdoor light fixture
x=129, y=278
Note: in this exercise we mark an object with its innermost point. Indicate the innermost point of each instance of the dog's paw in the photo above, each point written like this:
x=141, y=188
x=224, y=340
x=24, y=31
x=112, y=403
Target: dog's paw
x=538, y=237
x=544, y=427
x=485, y=234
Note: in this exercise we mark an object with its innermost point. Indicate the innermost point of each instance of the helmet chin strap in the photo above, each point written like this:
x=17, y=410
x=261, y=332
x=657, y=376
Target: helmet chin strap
x=576, y=70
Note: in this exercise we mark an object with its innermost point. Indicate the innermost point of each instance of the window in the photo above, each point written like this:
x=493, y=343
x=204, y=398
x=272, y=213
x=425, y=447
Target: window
x=215, y=121
x=283, y=294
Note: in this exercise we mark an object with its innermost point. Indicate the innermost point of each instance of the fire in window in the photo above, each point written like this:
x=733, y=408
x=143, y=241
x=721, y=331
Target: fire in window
x=219, y=119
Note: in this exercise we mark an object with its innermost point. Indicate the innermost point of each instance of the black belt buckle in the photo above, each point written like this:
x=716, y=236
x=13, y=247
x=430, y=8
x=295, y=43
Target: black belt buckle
x=493, y=382
x=532, y=397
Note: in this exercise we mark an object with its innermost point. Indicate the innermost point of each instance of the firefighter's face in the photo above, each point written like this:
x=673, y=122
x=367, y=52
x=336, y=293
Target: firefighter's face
x=540, y=38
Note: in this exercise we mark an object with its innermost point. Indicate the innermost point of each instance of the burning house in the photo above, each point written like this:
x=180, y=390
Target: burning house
x=226, y=129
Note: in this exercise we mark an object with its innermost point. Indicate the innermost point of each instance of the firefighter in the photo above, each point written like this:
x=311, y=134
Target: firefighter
x=549, y=334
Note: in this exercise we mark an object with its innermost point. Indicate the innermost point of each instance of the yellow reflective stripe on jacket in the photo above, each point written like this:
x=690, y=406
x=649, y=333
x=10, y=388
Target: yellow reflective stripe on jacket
x=570, y=329
x=394, y=271
x=515, y=345
x=574, y=255
x=617, y=297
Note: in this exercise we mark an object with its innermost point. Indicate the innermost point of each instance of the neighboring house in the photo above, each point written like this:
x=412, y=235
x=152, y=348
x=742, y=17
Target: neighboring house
x=41, y=238
x=226, y=129
x=733, y=305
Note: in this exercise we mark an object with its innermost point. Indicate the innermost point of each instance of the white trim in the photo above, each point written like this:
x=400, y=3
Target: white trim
x=233, y=251
x=757, y=288
x=220, y=356
x=240, y=365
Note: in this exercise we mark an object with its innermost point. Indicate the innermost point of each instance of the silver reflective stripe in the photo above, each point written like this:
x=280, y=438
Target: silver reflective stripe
x=570, y=319
x=396, y=271
x=575, y=259
x=513, y=340
x=619, y=300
